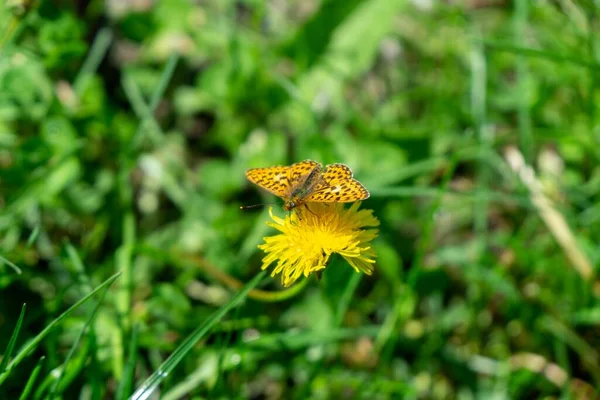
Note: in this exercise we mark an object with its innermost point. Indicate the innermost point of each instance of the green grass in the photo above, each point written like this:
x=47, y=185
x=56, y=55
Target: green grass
x=128, y=269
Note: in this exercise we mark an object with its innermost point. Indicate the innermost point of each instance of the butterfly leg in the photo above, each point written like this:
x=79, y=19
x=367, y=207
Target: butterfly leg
x=309, y=210
x=293, y=222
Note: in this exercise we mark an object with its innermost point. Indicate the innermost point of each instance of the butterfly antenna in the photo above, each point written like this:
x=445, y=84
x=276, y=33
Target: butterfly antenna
x=252, y=206
x=256, y=205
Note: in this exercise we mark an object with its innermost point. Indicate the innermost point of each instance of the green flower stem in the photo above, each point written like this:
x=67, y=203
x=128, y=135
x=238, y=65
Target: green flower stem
x=255, y=294
x=223, y=277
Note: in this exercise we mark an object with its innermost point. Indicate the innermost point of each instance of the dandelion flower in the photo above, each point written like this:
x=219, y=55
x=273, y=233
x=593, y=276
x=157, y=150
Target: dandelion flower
x=308, y=237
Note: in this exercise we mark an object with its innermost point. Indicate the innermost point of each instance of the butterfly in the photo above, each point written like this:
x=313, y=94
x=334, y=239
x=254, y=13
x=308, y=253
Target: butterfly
x=306, y=181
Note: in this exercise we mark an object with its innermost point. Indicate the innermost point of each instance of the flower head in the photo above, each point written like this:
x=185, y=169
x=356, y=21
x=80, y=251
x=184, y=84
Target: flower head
x=311, y=234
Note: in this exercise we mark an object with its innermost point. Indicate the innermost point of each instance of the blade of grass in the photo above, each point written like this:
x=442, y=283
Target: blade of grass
x=344, y=300
x=33, y=236
x=415, y=191
x=592, y=42
x=145, y=111
x=193, y=382
x=522, y=70
x=295, y=341
x=225, y=342
x=164, y=80
x=126, y=382
x=554, y=220
x=158, y=93
x=32, y=379
x=69, y=375
x=124, y=261
x=124, y=258
x=588, y=354
x=148, y=387
x=28, y=348
x=76, y=343
x=142, y=111
x=478, y=111
x=405, y=303
x=501, y=46
x=10, y=264
x=484, y=134
x=95, y=55
x=13, y=339
x=78, y=266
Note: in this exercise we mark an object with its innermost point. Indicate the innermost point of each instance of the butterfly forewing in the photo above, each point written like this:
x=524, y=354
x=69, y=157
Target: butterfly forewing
x=274, y=179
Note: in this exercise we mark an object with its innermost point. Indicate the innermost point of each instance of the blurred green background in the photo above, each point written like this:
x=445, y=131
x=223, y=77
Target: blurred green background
x=125, y=130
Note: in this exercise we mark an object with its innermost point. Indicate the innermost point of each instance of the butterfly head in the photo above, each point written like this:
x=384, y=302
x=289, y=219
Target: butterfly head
x=296, y=199
x=290, y=205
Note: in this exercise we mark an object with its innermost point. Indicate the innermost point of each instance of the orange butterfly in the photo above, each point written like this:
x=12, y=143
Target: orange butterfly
x=306, y=181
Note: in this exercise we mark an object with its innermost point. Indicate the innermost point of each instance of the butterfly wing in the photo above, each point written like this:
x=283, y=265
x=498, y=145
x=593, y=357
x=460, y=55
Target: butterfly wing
x=281, y=180
x=338, y=185
x=299, y=171
x=274, y=179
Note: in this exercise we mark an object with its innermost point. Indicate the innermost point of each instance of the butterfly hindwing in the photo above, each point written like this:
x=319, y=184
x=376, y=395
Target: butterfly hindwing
x=299, y=171
x=338, y=185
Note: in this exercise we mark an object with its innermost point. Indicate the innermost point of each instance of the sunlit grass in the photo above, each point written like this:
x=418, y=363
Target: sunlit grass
x=128, y=270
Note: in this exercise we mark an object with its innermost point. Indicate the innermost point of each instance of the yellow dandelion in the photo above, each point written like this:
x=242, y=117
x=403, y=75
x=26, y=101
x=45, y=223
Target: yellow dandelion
x=309, y=237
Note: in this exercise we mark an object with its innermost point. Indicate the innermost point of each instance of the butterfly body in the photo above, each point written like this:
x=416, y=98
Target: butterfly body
x=307, y=181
